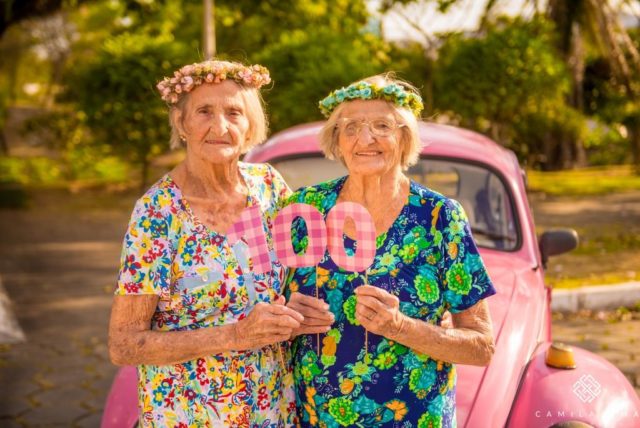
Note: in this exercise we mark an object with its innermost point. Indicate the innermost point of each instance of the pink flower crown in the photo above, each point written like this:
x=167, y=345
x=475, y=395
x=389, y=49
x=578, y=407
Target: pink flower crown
x=190, y=76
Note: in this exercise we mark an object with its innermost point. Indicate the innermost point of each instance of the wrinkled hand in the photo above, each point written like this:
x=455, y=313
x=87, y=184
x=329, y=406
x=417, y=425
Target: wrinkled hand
x=317, y=317
x=267, y=323
x=378, y=311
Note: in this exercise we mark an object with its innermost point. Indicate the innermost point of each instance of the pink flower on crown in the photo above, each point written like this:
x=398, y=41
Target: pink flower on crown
x=173, y=98
x=178, y=89
x=187, y=69
x=187, y=83
x=209, y=78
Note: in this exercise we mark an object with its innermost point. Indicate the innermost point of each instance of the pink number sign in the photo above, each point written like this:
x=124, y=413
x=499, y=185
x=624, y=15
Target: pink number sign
x=317, y=234
x=249, y=227
x=365, y=236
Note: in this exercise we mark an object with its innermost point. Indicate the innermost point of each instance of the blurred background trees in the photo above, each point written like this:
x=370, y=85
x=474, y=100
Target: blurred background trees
x=559, y=85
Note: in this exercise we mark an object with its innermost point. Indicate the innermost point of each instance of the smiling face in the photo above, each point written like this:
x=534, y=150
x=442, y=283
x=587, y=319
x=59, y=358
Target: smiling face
x=214, y=122
x=362, y=152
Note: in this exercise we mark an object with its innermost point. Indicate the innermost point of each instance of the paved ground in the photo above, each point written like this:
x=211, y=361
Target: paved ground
x=614, y=335
x=58, y=263
x=59, y=268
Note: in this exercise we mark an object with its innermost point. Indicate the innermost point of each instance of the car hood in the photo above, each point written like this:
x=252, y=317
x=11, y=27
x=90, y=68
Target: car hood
x=484, y=394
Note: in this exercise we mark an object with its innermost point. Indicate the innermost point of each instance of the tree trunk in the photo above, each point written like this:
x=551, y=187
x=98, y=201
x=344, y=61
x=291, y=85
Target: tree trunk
x=634, y=139
x=4, y=148
x=428, y=84
x=57, y=70
x=573, y=152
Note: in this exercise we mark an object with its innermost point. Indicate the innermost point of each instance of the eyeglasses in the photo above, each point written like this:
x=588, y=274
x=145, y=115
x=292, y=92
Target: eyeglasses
x=377, y=127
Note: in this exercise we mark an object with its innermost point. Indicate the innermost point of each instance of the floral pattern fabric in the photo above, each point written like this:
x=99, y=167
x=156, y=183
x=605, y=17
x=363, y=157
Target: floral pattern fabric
x=202, y=282
x=428, y=260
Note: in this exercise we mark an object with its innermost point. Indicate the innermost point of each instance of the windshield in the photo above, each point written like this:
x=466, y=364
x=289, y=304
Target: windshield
x=479, y=190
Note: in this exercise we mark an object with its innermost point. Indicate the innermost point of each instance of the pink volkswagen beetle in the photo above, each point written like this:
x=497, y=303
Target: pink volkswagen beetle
x=531, y=382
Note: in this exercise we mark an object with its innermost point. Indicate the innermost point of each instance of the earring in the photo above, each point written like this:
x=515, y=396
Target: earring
x=183, y=138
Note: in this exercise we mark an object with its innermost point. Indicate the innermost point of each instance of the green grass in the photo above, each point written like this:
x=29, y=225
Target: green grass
x=609, y=239
x=613, y=278
x=585, y=182
x=78, y=171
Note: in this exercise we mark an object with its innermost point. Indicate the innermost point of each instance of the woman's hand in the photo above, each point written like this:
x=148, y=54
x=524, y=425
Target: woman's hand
x=267, y=323
x=378, y=311
x=317, y=317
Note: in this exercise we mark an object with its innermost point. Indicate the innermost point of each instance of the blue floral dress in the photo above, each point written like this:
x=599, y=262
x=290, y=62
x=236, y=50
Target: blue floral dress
x=429, y=260
x=202, y=281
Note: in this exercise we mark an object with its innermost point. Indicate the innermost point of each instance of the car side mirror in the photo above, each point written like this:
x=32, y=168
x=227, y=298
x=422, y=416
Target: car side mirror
x=557, y=241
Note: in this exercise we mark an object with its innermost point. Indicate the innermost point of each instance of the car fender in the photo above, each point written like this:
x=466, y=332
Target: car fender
x=121, y=409
x=595, y=392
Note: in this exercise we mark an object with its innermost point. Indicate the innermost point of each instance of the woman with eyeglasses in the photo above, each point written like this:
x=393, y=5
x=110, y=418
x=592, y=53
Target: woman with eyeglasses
x=387, y=360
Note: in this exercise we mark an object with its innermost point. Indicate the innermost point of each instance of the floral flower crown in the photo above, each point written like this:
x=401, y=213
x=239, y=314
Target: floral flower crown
x=368, y=91
x=190, y=76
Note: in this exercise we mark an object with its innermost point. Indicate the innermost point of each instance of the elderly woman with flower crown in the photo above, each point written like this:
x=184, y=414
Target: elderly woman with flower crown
x=202, y=325
x=388, y=358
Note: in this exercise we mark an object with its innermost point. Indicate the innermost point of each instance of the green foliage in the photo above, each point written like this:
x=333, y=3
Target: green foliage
x=245, y=27
x=509, y=84
x=114, y=86
x=606, y=144
x=615, y=114
x=441, y=5
x=538, y=132
x=306, y=65
x=29, y=171
x=501, y=74
x=18, y=66
x=310, y=47
x=586, y=181
x=116, y=93
x=79, y=162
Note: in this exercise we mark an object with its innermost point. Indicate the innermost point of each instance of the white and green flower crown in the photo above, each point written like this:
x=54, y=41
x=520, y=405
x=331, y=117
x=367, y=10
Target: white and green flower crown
x=368, y=91
x=190, y=76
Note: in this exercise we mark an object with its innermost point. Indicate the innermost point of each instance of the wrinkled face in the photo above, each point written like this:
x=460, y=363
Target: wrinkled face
x=214, y=122
x=369, y=137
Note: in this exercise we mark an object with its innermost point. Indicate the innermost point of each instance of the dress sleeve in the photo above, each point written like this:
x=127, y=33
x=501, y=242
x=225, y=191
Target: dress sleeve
x=463, y=275
x=281, y=189
x=145, y=263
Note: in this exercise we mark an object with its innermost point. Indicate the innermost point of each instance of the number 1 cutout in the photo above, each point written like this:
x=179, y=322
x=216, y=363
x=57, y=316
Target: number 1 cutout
x=249, y=227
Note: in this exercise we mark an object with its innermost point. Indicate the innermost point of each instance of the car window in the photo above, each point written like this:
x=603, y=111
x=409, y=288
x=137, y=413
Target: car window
x=301, y=172
x=479, y=190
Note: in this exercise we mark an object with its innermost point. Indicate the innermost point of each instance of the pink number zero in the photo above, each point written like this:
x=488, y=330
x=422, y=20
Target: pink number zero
x=317, y=236
x=365, y=236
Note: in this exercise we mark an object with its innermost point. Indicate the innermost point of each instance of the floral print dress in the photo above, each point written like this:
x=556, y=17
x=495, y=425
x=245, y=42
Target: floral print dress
x=429, y=260
x=203, y=282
